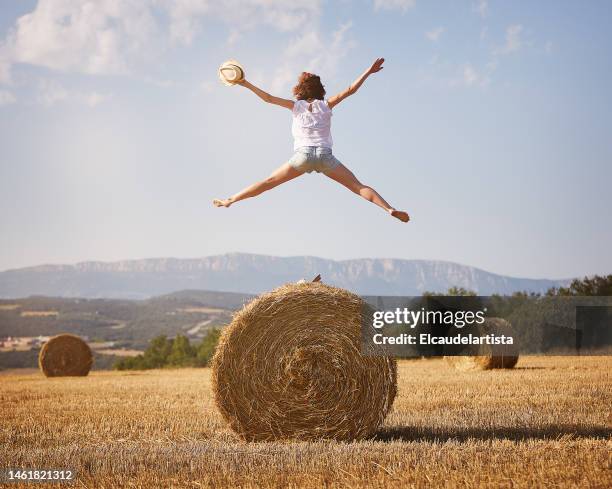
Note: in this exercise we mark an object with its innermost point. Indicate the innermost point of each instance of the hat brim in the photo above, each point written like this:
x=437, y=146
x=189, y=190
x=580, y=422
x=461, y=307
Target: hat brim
x=233, y=64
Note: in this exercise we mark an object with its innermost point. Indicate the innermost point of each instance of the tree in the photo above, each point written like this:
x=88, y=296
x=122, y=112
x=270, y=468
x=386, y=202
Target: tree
x=156, y=355
x=596, y=285
x=206, y=350
x=453, y=291
x=182, y=354
x=129, y=363
x=460, y=292
x=178, y=352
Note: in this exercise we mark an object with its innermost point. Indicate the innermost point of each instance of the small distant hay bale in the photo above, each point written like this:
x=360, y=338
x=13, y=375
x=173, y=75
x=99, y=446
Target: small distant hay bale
x=289, y=366
x=489, y=357
x=65, y=355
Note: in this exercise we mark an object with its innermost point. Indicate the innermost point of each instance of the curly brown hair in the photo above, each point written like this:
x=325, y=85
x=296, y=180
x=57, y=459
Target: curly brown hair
x=309, y=86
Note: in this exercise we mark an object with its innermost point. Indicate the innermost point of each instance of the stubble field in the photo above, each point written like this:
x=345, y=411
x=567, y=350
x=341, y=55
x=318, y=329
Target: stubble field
x=547, y=423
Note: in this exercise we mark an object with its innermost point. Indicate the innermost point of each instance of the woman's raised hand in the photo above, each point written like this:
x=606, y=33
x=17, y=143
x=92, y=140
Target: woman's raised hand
x=377, y=65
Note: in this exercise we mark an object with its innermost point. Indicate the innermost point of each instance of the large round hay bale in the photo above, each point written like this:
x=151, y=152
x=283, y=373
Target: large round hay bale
x=65, y=355
x=289, y=366
x=486, y=357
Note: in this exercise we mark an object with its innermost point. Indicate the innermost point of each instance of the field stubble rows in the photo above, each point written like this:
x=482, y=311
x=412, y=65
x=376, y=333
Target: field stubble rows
x=546, y=423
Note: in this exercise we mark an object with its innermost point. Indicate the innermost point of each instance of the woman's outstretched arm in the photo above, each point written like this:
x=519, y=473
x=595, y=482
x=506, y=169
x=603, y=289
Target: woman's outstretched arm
x=266, y=97
x=353, y=87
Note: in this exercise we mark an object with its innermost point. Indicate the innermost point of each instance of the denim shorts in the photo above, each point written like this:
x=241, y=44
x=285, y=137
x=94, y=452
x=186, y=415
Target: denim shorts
x=314, y=158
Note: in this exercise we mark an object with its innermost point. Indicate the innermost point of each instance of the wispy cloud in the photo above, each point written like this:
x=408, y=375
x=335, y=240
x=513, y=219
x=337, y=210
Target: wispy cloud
x=548, y=47
x=110, y=37
x=444, y=73
x=51, y=93
x=94, y=38
x=402, y=5
x=242, y=16
x=470, y=76
x=117, y=38
x=514, y=40
x=93, y=99
x=5, y=65
x=185, y=17
x=313, y=52
x=434, y=34
x=482, y=8
x=6, y=98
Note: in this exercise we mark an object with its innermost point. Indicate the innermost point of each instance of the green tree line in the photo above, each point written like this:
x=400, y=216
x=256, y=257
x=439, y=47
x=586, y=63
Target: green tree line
x=179, y=352
x=597, y=285
x=173, y=352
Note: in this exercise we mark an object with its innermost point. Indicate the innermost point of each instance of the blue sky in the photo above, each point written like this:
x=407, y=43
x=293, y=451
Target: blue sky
x=489, y=125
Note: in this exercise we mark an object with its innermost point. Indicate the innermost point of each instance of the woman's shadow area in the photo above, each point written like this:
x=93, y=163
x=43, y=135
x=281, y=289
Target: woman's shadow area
x=406, y=433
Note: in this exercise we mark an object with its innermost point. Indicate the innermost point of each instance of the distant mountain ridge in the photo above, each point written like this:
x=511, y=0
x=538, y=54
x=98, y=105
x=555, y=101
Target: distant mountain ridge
x=250, y=273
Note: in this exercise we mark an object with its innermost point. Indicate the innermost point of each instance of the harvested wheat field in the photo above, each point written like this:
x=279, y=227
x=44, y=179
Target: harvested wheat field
x=546, y=423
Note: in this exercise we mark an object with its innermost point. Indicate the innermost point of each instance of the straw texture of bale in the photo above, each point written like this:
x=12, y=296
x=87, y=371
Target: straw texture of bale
x=289, y=367
x=65, y=355
x=489, y=356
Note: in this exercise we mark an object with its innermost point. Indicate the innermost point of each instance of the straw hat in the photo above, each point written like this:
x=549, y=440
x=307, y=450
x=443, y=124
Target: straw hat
x=231, y=72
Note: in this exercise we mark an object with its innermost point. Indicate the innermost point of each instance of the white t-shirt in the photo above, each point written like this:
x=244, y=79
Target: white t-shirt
x=311, y=127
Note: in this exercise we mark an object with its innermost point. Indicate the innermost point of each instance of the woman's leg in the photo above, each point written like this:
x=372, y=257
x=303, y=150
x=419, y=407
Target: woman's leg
x=343, y=175
x=281, y=175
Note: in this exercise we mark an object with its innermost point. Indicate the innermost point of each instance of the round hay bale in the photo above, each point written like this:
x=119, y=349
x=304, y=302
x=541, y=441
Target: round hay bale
x=488, y=357
x=65, y=355
x=289, y=366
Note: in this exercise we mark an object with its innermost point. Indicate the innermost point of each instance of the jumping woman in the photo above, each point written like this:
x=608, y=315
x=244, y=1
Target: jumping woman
x=312, y=140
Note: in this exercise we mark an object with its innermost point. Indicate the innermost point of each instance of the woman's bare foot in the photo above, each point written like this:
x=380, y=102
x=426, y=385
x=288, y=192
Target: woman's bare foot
x=401, y=215
x=222, y=202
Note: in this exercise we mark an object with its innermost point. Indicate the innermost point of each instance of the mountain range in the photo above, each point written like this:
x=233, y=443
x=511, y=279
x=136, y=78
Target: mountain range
x=250, y=273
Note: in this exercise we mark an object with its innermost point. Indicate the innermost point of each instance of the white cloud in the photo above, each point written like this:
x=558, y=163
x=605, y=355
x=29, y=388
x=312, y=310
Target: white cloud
x=305, y=45
x=548, y=47
x=338, y=49
x=6, y=98
x=160, y=82
x=185, y=18
x=287, y=16
x=470, y=76
x=312, y=52
x=281, y=15
x=492, y=65
x=402, y=5
x=92, y=99
x=513, y=40
x=434, y=34
x=51, y=93
x=443, y=73
x=112, y=37
x=234, y=36
x=482, y=7
x=5, y=65
x=118, y=37
x=5, y=72
x=100, y=37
